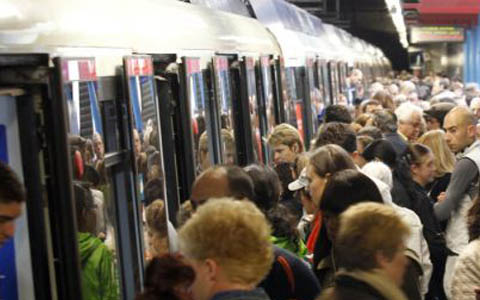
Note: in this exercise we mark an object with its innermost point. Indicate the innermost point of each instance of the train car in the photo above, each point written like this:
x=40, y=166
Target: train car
x=134, y=97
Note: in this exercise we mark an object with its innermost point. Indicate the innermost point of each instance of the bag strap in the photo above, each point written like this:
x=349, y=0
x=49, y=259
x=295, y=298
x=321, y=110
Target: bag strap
x=288, y=271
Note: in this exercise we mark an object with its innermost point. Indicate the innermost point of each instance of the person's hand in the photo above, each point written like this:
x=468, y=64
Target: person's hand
x=441, y=197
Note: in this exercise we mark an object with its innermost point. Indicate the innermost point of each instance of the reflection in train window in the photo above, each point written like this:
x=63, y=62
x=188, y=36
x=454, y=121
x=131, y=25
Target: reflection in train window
x=326, y=84
x=315, y=96
x=197, y=102
x=224, y=104
x=93, y=193
x=253, y=107
x=292, y=96
x=268, y=93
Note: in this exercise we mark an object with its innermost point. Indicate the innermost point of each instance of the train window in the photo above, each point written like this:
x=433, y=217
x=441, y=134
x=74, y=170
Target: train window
x=335, y=82
x=93, y=189
x=296, y=93
x=267, y=88
x=224, y=106
x=288, y=101
x=326, y=83
x=266, y=105
x=320, y=84
x=253, y=108
x=292, y=98
x=196, y=94
x=316, y=100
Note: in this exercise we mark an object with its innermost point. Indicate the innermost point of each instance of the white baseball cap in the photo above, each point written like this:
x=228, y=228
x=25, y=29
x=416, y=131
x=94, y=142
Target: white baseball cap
x=300, y=183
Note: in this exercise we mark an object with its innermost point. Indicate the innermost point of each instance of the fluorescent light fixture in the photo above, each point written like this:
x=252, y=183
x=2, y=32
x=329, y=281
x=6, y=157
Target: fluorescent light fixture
x=395, y=9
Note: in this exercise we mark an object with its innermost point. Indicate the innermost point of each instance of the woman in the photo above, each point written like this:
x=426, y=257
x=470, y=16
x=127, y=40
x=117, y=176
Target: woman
x=157, y=230
x=444, y=161
x=421, y=161
x=167, y=278
x=343, y=189
x=267, y=187
x=324, y=161
x=466, y=275
x=370, y=247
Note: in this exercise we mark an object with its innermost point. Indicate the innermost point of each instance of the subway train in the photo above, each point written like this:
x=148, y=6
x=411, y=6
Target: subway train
x=146, y=89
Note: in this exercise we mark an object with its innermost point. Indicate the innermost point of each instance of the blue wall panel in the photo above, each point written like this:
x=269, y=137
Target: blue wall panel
x=472, y=54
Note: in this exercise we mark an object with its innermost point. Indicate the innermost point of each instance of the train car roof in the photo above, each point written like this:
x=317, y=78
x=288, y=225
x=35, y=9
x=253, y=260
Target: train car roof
x=142, y=26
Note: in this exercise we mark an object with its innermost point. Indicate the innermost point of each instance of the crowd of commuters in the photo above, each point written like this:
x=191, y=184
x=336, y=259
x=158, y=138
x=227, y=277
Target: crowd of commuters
x=384, y=205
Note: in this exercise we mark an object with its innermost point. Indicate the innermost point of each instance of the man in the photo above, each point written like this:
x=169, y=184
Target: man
x=409, y=123
x=221, y=181
x=354, y=86
x=337, y=113
x=339, y=134
x=12, y=196
x=227, y=243
x=370, y=241
x=98, y=147
x=234, y=182
x=97, y=262
x=475, y=106
x=436, y=115
x=386, y=121
x=453, y=205
x=286, y=143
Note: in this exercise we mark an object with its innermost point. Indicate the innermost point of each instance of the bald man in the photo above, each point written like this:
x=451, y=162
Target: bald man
x=233, y=181
x=460, y=126
x=221, y=181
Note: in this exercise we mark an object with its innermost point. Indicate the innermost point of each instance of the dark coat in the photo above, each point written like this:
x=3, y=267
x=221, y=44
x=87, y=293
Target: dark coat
x=398, y=143
x=278, y=286
x=353, y=287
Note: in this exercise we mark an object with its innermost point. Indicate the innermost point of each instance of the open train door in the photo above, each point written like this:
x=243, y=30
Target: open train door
x=25, y=268
x=93, y=108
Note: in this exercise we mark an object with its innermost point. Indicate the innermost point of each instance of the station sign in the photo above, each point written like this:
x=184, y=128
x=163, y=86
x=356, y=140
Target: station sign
x=436, y=34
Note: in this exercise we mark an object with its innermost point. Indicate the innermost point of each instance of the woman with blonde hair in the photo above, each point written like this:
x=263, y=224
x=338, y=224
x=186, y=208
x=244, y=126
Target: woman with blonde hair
x=444, y=161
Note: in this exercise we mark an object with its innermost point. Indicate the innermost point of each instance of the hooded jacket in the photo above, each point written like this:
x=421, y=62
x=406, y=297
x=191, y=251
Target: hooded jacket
x=99, y=276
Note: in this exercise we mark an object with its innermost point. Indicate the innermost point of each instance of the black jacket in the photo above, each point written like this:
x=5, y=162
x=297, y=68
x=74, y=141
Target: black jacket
x=352, y=286
x=278, y=286
x=398, y=143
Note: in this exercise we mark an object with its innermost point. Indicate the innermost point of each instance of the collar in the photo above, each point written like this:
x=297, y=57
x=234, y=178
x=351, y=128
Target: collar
x=325, y=263
x=377, y=279
x=402, y=136
x=468, y=149
x=255, y=294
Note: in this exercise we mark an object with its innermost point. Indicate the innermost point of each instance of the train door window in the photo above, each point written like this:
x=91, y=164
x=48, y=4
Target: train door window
x=333, y=82
x=147, y=146
x=287, y=93
x=341, y=77
x=253, y=108
x=315, y=95
x=93, y=188
x=197, y=102
x=267, y=91
x=319, y=83
x=294, y=106
x=224, y=107
x=326, y=83
x=266, y=104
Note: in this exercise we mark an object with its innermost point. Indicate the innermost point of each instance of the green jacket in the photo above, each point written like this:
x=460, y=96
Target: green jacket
x=300, y=250
x=99, y=275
